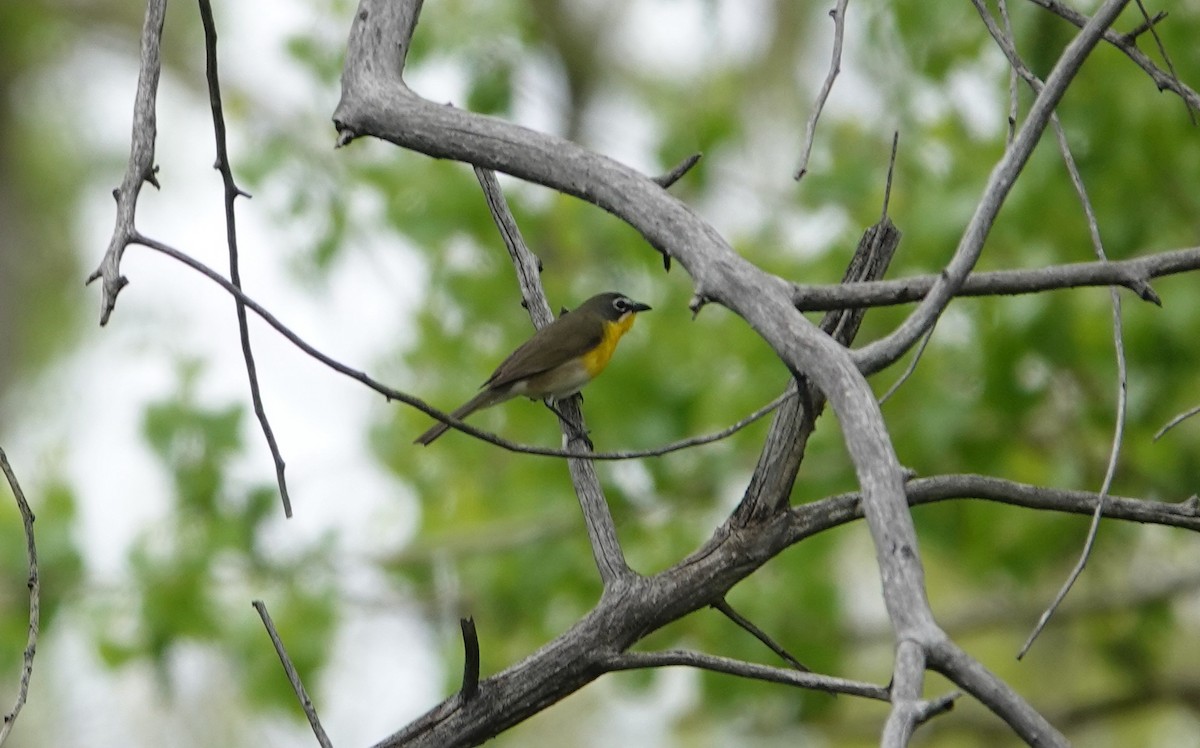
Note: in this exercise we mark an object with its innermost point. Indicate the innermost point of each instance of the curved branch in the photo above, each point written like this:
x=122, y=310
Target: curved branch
x=35, y=598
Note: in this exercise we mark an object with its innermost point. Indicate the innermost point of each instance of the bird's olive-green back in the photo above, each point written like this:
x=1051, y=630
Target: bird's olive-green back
x=566, y=338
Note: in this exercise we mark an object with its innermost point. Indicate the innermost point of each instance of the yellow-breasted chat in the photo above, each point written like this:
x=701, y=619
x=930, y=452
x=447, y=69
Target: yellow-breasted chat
x=558, y=360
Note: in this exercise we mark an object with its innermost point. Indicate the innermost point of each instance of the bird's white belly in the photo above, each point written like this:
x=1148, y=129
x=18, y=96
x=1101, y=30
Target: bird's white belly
x=557, y=383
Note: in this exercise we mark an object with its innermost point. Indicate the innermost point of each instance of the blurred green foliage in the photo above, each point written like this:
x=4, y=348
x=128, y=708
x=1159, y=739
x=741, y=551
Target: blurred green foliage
x=182, y=568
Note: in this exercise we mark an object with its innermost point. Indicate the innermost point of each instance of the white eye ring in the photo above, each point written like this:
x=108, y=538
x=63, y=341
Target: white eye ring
x=621, y=304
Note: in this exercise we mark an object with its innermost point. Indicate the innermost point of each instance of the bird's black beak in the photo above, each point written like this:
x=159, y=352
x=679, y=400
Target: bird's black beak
x=637, y=306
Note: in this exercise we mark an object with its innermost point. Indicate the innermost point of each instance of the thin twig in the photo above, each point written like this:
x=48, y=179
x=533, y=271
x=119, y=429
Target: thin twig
x=724, y=607
x=908, y=371
x=674, y=175
x=1152, y=25
x=728, y=665
x=1165, y=81
x=838, y=14
x=232, y=192
x=887, y=187
x=470, y=681
x=1004, y=41
x=310, y=711
x=1122, y=389
x=1146, y=24
x=1176, y=421
x=35, y=598
x=1110, y=472
x=1013, y=83
x=393, y=394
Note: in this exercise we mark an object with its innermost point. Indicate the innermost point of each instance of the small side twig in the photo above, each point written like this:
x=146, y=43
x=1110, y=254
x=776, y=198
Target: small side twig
x=310, y=711
x=887, y=186
x=470, y=682
x=730, y=666
x=1164, y=81
x=910, y=369
x=1013, y=81
x=1151, y=24
x=1145, y=25
x=1176, y=421
x=668, y=179
x=838, y=14
x=674, y=175
x=724, y=607
x=232, y=192
x=1110, y=472
x=35, y=588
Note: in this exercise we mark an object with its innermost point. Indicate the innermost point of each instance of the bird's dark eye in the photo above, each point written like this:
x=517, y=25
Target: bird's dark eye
x=621, y=304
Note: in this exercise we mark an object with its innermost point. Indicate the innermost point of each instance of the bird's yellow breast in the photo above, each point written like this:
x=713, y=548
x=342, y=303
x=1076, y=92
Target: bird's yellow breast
x=596, y=359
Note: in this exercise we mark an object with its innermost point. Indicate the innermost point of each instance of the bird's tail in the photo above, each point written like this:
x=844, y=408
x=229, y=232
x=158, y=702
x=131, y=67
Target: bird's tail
x=484, y=399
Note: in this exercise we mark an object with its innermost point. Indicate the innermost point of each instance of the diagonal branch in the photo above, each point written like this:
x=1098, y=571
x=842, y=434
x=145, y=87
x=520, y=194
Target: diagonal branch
x=232, y=192
x=306, y=704
x=725, y=608
x=781, y=455
x=1151, y=25
x=1127, y=44
x=35, y=598
x=838, y=14
x=141, y=159
x=1176, y=421
x=717, y=664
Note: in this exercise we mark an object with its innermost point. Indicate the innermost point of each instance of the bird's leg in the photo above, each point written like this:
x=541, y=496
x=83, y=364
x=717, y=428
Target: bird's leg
x=579, y=432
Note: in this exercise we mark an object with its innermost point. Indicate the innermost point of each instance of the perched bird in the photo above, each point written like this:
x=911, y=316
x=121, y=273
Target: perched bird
x=558, y=360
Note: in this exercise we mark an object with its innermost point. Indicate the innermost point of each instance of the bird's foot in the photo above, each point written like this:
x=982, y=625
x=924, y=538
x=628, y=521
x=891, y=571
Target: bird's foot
x=575, y=430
